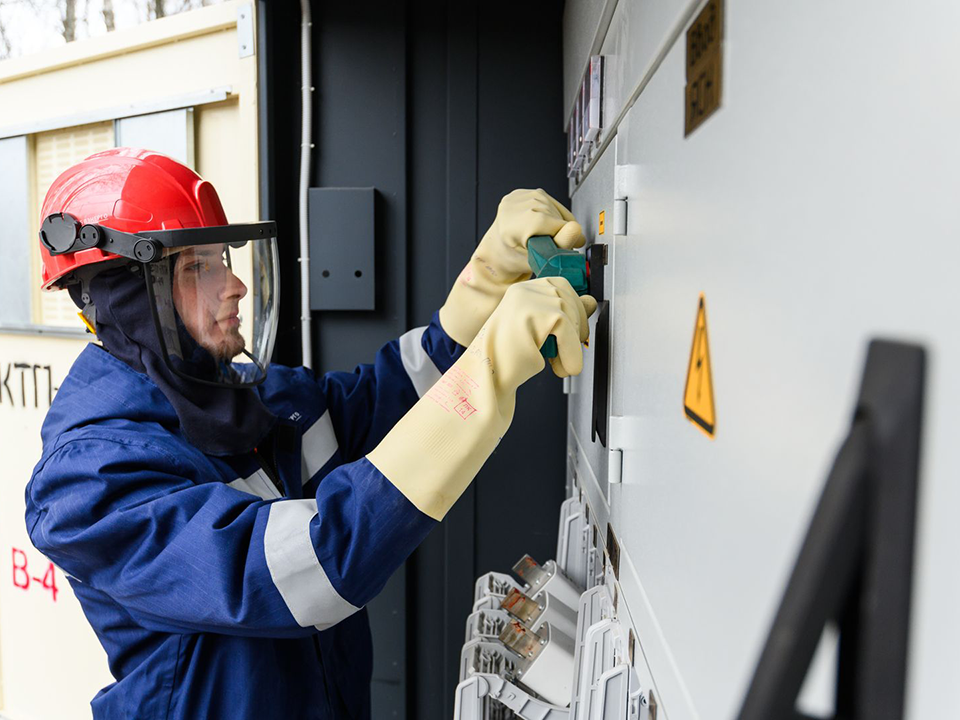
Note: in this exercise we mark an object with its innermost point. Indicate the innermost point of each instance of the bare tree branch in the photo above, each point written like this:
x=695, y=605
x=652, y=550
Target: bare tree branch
x=5, y=48
x=73, y=19
x=108, y=18
x=69, y=18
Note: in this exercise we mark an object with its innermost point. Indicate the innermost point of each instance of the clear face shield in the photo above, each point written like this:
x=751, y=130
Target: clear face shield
x=214, y=291
x=215, y=309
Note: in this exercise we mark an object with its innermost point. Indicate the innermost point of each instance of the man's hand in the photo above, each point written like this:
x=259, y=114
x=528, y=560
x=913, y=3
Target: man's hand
x=500, y=259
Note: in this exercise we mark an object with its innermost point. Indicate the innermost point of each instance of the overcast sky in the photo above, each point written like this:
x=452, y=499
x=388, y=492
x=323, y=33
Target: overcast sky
x=31, y=26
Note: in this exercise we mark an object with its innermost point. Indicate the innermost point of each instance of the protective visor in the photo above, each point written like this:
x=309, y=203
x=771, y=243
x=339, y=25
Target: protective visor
x=215, y=309
x=214, y=292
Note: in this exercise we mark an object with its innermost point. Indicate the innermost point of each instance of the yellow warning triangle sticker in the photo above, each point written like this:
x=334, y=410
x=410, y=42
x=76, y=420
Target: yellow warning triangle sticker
x=698, y=393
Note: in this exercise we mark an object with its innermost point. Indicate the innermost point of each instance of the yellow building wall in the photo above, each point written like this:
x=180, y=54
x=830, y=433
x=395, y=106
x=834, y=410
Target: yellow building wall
x=51, y=664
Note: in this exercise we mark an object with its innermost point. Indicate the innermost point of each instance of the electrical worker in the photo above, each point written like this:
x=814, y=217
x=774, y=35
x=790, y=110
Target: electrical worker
x=221, y=525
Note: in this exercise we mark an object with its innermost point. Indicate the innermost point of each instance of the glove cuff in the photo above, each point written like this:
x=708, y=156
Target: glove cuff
x=433, y=453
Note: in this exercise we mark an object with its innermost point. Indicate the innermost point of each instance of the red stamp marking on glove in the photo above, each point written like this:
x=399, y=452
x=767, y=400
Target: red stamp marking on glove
x=452, y=392
x=464, y=409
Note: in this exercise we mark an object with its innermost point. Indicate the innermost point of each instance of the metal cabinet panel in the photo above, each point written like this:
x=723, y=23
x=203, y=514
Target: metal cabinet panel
x=585, y=24
x=595, y=195
x=816, y=209
x=632, y=36
x=342, y=249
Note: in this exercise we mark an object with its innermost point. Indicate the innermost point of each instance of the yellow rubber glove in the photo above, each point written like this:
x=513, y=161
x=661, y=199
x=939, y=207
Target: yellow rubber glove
x=500, y=259
x=438, y=447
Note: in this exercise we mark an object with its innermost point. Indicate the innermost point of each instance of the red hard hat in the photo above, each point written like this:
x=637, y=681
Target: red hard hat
x=129, y=190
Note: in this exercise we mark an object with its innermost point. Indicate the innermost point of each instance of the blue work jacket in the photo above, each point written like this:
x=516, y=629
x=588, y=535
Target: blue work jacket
x=216, y=593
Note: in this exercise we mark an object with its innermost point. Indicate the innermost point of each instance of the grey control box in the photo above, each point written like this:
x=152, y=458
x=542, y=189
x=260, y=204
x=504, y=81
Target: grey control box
x=341, y=227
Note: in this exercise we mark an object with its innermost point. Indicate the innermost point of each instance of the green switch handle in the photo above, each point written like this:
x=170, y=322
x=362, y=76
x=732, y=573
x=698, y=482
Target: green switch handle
x=548, y=260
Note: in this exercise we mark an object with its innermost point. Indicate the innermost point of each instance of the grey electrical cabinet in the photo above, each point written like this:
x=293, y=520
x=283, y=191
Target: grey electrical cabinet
x=779, y=236
x=341, y=227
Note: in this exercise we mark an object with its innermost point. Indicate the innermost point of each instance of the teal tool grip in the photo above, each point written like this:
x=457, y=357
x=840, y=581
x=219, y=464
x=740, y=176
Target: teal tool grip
x=549, y=348
x=548, y=260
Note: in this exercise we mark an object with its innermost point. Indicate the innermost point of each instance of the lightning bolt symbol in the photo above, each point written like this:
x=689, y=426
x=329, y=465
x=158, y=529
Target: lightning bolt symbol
x=701, y=354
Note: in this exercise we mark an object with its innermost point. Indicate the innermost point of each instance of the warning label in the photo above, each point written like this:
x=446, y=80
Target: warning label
x=698, y=393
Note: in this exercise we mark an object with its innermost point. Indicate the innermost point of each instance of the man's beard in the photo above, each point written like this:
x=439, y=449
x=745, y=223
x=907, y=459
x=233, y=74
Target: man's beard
x=228, y=348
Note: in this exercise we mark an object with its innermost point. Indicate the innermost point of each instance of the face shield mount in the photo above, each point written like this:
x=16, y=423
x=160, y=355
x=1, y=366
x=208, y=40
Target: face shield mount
x=213, y=291
x=62, y=233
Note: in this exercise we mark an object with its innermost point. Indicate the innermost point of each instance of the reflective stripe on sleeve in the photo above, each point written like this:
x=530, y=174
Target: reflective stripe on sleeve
x=420, y=368
x=295, y=569
x=257, y=484
x=319, y=444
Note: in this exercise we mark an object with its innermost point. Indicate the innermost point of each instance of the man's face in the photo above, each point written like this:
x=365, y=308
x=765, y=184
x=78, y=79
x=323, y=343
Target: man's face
x=207, y=296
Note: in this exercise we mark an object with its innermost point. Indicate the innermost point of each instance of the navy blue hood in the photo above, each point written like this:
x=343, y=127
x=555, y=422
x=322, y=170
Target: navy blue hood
x=215, y=420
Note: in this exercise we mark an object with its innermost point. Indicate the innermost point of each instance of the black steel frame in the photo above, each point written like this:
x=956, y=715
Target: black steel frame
x=144, y=246
x=856, y=563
